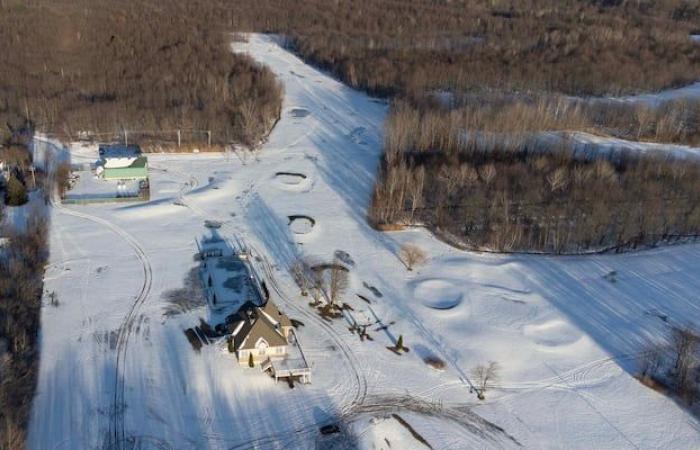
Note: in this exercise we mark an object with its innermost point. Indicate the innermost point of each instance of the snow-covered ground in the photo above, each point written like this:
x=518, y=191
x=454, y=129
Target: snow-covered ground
x=565, y=331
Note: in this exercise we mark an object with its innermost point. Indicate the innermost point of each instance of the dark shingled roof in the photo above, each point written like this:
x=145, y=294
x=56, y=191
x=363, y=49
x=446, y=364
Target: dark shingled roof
x=252, y=323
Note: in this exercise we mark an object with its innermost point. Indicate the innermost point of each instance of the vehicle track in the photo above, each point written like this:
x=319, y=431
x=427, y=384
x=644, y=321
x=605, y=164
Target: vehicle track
x=358, y=377
x=117, y=430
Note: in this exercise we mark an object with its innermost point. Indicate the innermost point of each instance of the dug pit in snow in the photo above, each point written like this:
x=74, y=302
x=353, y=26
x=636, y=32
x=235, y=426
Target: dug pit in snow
x=301, y=224
x=290, y=178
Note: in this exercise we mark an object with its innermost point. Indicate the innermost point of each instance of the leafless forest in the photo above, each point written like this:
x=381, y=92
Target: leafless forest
x=68, y=66
x=102, y=67
x=575, y=47
x=508, y=190
x=21, y=271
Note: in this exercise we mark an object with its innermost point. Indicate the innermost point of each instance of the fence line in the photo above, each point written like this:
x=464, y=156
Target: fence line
x=175, y=135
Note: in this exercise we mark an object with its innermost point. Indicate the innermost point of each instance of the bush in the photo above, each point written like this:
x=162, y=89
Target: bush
x=16, y=194
x=229, y=343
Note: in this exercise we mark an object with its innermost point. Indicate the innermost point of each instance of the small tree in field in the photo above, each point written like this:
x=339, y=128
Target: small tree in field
x=684, y=344
x=651, y=360
x=251, y=363
x=484, y=377
x=338, y=282
x=412, y=256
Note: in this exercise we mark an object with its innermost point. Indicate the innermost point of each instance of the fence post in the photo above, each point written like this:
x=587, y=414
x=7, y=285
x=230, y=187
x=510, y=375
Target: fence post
x=209, y=137
x=178, y=138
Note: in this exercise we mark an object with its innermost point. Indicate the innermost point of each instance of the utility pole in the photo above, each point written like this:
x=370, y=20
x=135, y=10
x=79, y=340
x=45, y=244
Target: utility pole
x=126, y=137
x=209, y=137
x=178, y=138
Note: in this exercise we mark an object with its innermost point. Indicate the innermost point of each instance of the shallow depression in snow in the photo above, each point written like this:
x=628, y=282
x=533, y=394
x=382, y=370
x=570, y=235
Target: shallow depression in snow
x=438, y=294
x=292, y=181
x=301, y=224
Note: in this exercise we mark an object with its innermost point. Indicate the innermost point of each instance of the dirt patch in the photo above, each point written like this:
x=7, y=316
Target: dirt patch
x=329, y=266
x=389, y=227
x=435, y=362
x=299, y=113
x=186, y=298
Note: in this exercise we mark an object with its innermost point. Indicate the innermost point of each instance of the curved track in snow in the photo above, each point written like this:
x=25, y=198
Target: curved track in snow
x=117, y=430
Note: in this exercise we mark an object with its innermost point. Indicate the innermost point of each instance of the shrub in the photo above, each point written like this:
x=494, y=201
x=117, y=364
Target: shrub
x=16, y=194
x=412, y=255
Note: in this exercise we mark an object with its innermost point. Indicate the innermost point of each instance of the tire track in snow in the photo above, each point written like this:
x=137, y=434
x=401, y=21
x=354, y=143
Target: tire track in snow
x=117, y=431
x=359, y=379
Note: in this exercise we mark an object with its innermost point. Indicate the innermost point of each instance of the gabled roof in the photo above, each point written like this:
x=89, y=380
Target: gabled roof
x=275, y=315
x=253, y=323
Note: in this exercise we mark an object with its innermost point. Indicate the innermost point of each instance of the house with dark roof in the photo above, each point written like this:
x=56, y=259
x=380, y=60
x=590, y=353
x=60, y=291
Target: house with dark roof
x=255, y=328
x=261, y=331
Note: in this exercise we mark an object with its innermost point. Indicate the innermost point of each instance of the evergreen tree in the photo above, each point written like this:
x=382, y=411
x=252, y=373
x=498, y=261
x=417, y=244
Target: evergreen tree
x=399, y=343
x=16, y=194
x=251, y=363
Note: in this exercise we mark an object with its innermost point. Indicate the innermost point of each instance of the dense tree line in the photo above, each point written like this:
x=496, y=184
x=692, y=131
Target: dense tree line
x=500, y=192
x=575, y=47
x=104, y=66
x=22, y=261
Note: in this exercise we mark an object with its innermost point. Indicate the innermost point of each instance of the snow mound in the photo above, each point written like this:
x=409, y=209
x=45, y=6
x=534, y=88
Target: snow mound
x=438, y=294
x=552, y=333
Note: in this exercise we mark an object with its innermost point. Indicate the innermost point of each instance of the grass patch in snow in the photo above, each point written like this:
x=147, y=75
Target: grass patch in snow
x=186, y=298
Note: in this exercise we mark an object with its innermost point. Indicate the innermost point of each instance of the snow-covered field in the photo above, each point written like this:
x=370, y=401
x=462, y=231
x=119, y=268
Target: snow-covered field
x=564, y=331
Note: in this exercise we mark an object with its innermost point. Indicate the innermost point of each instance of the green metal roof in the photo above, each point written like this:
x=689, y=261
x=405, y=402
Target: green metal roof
x=139, y=163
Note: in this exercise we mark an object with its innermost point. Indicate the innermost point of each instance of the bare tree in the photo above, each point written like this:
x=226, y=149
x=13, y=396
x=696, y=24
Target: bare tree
x=684, y=343
x=645, y=116
x=412, y=255
x=338, y=283
x=302, y=275
x=485, y=376
x=651, y=360
x=318, y=285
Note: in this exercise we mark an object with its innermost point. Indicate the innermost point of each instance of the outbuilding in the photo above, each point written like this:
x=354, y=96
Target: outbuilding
x=123, y=162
